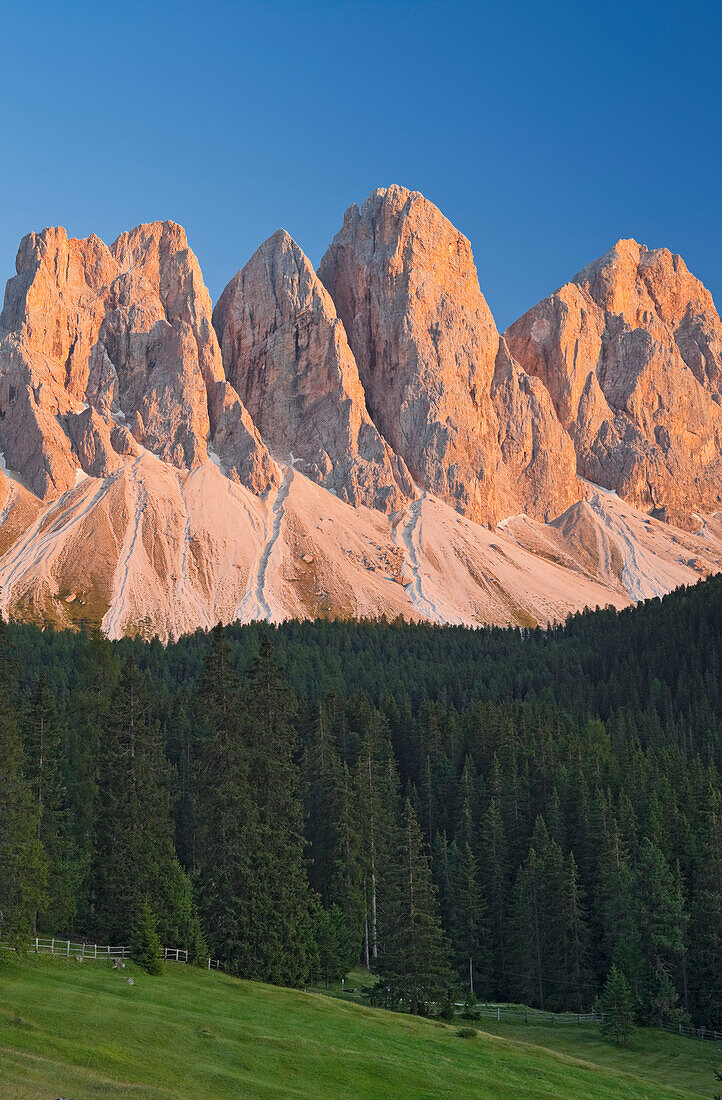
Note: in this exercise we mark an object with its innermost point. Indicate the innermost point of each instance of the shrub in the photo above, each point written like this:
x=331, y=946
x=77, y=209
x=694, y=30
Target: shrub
x=469, y=1011
x=467, y=1033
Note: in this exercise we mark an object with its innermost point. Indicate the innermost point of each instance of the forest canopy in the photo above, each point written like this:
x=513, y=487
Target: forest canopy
x=514, y=813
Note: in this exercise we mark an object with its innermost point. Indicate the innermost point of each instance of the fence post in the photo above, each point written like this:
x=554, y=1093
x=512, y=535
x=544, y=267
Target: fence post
x=498, y=1013
x=36, y=945
x=209, y=964
x=52, y=946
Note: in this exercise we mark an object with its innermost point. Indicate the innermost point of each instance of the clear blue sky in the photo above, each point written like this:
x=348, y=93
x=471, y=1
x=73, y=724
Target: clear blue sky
x=544, y=131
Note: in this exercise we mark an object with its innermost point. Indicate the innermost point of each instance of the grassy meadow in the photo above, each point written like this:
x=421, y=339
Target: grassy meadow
x=80, y=1030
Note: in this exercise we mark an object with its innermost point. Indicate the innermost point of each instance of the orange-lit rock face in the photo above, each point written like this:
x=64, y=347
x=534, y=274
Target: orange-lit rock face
x=631, y=352
x=126, y=330
x=285, y=351
x=387, y=387
x=405, y=286
x=538, y=464
x=404, y=283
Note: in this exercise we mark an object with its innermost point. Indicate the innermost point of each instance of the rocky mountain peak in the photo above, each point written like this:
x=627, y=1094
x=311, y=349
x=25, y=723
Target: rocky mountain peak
x=126, y=330
x=631, y=353
x=286, y=353
x=404, y=283
x=340, y=443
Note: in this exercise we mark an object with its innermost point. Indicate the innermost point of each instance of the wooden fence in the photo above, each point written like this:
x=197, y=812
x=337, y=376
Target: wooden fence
x=71, y=948
x=75, y=949
x=537, y=1016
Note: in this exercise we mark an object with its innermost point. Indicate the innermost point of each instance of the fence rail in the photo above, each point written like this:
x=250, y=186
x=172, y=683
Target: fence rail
x=537, y=1016
x=53, y=945
x=69, y=948
x=532, y=1015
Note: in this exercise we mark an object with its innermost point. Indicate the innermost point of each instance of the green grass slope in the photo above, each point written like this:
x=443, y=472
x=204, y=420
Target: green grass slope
x=80, y=1031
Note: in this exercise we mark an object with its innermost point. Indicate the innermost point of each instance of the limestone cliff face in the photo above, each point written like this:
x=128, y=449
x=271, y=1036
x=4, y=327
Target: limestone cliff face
x=404, y=283
x=383, y=383
x=285, y=352
x=631, y=354
x=405, y=287
x=127, y=331
x=538, y=464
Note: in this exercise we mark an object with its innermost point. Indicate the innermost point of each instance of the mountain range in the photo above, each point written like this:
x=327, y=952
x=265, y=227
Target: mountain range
x=355, y=441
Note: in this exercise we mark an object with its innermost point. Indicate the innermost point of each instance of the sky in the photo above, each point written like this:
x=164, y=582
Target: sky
x=543, y=131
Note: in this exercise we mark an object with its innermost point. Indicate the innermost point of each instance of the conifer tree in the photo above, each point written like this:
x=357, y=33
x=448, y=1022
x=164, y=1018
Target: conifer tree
x=618, y=938
x=706, y=923
x=133, y=855
x=470, y=934
x=528, y=903
x=549, y=923
x=444, y=863
x=84, y=722
x=320, y=767
x=334, y=943
x=495, y=879
x=225, y=814
x=23, y=863
x=616, y=1005
x=147, y=950
x=574, y=970
x=376, y=784
x=347, y=881
x=41, y=736
x=661, y=921
x=414, y=967
x=278, y=941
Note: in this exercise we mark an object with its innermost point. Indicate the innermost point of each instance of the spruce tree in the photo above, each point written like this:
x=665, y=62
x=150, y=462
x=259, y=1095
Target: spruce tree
x=551, y=934
x=88, y=706
x=133, y=854
x=444, y=865
x=706, y=924
x=618, y=938
x=278, y=940
x=346, y=888
x=376, y=784
x=470, y=935
x=23, y=863
x=147, y=950
x=574, y=974
x=414, y=966
x=495, y=876
x=224, y=812
x=661, y=921
x=320, y=768
x=335, y=945
x=41, y=736
x=616, y=1004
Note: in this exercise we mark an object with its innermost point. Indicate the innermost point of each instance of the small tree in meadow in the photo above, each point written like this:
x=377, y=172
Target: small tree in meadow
x=147, y=950
x=617, y=1006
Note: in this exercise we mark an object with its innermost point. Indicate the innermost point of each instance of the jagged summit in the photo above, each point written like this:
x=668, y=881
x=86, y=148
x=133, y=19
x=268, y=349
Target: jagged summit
x=356, y=442
x=631, y=353
x=285, y=351
x=405, y=285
